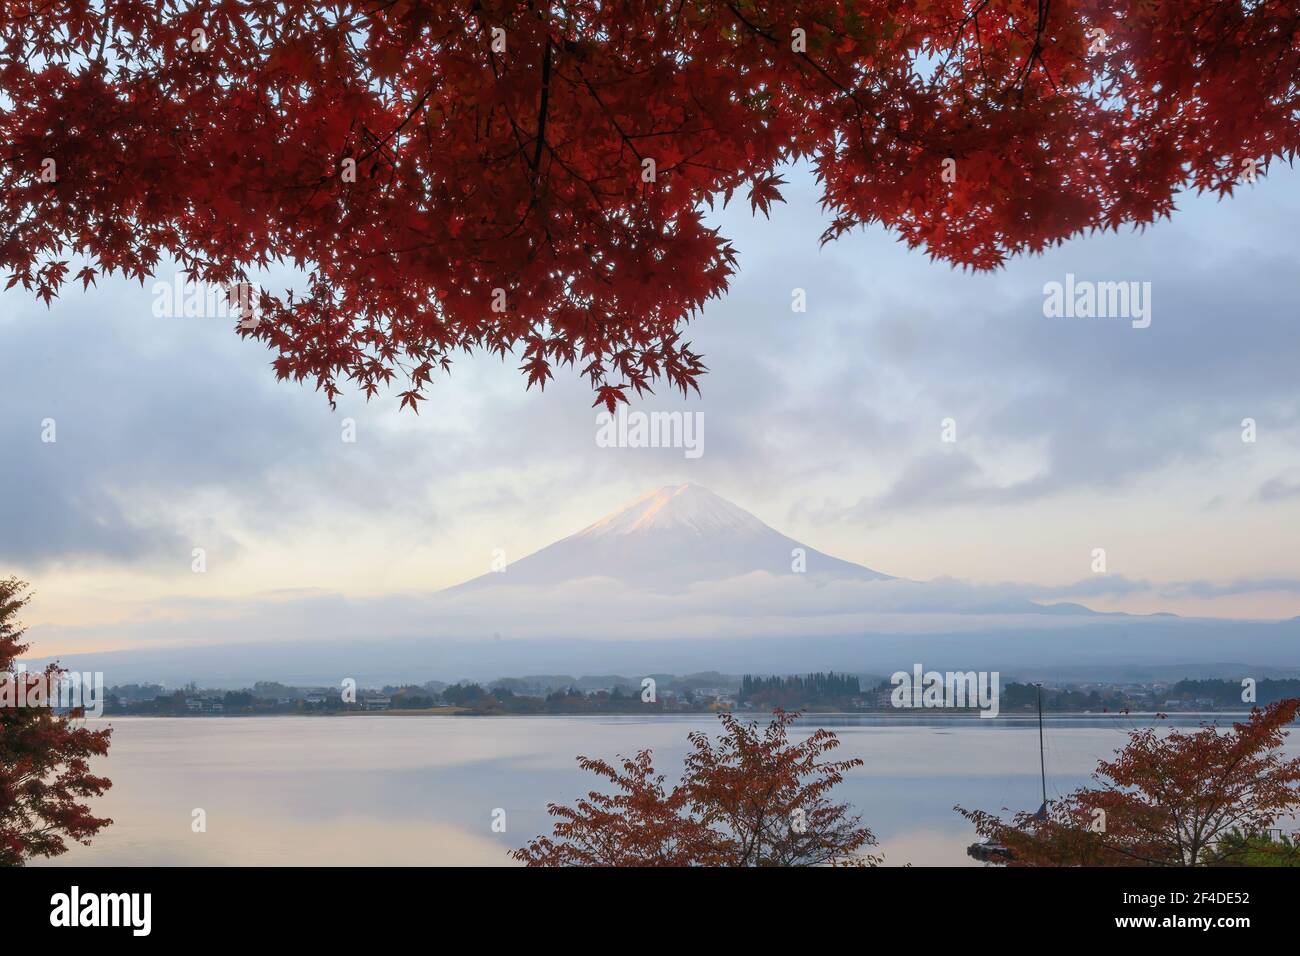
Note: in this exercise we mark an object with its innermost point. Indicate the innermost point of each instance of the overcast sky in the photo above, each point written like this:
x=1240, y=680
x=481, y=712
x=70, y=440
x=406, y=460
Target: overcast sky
x=1071, y=434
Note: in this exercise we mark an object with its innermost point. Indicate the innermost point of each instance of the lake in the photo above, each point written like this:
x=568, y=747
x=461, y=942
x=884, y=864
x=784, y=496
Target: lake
x=422, y=790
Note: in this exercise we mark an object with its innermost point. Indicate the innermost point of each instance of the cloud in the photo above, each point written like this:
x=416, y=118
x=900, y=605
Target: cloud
x=1280, y=488
x=853, y=391
x=602, y=609
x=755, y=623
x=169, y=433
x=1209, y=589
x=1099, y=585
x=172, y=432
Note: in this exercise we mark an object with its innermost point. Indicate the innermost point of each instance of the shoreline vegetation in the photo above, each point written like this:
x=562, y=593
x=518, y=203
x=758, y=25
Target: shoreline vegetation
x=821, y=694
x=900, y=715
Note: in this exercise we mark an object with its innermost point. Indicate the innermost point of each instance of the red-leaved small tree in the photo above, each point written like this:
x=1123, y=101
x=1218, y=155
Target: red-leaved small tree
x=752, y=798
x=1165, y=799
x=44, y=757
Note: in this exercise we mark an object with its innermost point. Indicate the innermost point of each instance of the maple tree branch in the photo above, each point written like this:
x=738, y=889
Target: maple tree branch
x=1035, y=52
x=428, y=90
x=542, y=108
x=608, y=115
x=960, y=32
x=860, y=108
x=99, y=54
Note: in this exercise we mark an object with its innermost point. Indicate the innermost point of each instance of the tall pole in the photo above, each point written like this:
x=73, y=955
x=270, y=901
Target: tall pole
x=1042, y=765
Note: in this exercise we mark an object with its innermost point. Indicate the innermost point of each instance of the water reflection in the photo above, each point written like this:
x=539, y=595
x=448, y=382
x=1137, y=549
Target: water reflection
x=391, y=790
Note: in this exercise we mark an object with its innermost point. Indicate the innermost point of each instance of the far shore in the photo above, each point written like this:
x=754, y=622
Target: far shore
x=902, y=715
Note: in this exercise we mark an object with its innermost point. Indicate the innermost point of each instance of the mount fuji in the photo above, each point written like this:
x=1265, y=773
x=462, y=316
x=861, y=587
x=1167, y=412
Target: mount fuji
x=683, y=580
x=670, y=539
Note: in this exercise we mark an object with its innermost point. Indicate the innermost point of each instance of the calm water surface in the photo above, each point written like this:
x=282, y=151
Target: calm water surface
x=389, y=790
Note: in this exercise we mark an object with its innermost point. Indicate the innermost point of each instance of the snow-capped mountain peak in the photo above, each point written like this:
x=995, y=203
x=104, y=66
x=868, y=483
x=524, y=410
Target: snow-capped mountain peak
x=686, y=507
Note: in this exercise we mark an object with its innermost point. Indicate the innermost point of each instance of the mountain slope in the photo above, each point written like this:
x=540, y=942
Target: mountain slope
x=668, y=540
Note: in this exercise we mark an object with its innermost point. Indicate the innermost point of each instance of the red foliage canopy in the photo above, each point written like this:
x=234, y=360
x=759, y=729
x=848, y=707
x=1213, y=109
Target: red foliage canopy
x=44, y=757
x=750, y=798
x=499, y=174
x=1181, y=798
